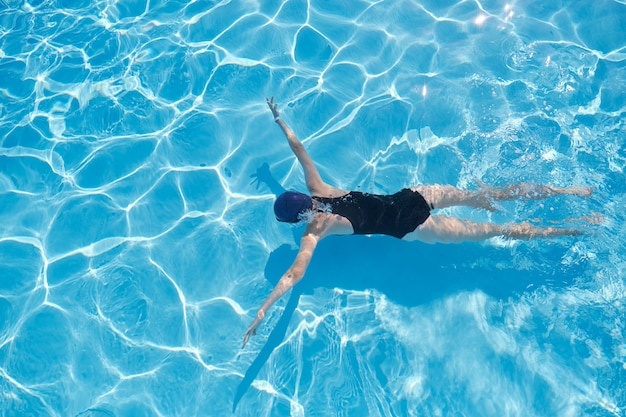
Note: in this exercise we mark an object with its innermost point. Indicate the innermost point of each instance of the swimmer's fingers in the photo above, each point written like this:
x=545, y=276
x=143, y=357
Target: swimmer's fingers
x=247, y=336
x=245, y=339
x=251, y=331
x=273, y=107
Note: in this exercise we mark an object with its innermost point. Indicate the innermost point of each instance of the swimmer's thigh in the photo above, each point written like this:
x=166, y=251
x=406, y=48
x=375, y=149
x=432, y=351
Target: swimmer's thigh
x=444, y=229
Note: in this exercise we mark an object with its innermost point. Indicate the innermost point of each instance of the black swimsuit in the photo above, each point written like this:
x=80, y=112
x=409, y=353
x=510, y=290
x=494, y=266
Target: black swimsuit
x=393, y=215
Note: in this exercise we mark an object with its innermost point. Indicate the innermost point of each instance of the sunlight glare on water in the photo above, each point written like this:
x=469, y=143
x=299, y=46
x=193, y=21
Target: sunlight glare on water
x=139, y=164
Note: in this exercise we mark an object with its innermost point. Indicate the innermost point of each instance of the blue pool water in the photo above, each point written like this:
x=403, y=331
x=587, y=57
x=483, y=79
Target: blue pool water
x=138, y=165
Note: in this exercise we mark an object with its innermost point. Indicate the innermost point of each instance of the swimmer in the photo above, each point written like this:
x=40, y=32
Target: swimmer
x=405, y=215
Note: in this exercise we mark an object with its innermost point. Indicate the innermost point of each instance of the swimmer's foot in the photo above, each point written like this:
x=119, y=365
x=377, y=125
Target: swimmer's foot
x=527, y=231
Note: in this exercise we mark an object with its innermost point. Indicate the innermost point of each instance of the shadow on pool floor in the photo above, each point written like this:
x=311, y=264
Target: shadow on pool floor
x=410, y=274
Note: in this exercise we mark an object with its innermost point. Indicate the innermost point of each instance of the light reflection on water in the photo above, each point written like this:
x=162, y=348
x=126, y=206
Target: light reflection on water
x=135, y=246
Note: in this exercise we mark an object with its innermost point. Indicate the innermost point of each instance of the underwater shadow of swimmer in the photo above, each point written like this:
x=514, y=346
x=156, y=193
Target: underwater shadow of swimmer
x=284, y=255
x=413, y=274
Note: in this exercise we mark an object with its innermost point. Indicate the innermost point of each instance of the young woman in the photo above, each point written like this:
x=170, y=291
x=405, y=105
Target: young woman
x=404, y=215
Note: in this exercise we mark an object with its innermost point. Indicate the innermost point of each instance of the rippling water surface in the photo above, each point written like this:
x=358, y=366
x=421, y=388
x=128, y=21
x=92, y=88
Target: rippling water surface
x=138, y=166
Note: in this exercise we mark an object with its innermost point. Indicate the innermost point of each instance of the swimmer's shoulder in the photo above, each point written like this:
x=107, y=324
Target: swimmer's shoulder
x=328, y=191
x=325, y=224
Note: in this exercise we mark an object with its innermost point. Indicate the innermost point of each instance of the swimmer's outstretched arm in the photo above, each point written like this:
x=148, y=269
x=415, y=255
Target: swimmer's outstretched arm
x=314, y=181
x=293, y=275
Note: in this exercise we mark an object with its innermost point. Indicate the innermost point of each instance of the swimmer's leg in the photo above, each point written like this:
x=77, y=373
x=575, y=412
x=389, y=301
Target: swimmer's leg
x=443, y=229
x=442, y=196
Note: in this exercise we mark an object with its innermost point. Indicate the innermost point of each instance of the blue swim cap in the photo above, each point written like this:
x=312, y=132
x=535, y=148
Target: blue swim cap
x=290, y=205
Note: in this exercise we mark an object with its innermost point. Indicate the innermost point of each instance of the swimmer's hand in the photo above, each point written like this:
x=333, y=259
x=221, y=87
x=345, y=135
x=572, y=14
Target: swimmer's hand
x=252, y=329
x=273, y=107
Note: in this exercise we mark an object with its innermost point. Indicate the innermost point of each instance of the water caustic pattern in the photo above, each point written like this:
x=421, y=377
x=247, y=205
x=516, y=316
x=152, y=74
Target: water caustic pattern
x=138, y=162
